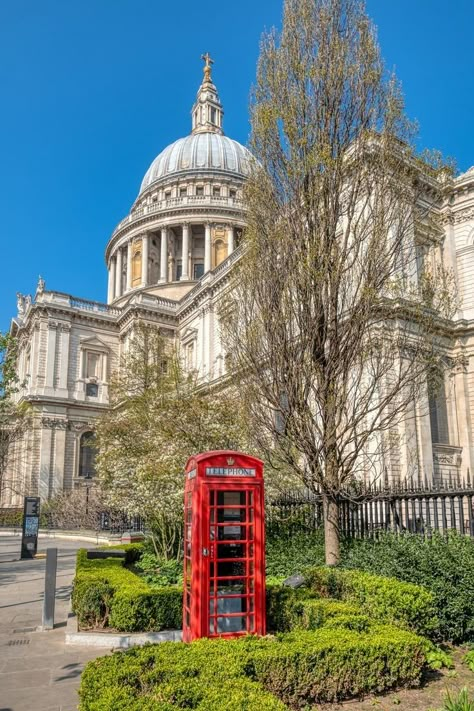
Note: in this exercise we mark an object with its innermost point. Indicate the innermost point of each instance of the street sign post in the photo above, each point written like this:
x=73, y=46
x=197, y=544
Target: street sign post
x=29, y=538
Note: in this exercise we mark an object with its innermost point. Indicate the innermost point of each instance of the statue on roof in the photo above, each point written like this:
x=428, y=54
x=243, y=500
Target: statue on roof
x=208, y=66
x=41, y=285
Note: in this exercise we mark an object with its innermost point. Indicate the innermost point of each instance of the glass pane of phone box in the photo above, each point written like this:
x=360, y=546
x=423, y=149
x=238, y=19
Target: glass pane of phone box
x=226, y=625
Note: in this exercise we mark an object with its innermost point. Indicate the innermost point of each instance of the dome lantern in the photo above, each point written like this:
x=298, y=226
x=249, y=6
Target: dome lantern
x=207, y=111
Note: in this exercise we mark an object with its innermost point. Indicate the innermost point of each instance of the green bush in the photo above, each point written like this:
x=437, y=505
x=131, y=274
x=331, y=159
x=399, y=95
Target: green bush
x=147, y=610
x=384, y=599
x=313, y=613
x=159, y=571
x=248, y=673
x=280, y=606
x=107, y=594
x=91, y=603
x=442, y=564
x=133, y=551
x=285, y=555
x=289, y=609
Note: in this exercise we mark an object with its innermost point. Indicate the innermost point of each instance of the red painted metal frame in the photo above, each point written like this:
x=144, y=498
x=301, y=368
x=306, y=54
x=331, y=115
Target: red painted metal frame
x=212, y=479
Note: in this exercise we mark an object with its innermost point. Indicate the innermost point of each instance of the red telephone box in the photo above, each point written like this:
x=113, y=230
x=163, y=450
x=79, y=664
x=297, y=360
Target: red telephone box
x=224, y=546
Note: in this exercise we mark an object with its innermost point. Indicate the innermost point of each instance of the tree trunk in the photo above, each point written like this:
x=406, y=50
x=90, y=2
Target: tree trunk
x=331, y=530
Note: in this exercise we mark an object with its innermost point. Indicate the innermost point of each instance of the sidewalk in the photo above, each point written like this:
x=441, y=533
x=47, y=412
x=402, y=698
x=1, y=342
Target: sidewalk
x=37, y=671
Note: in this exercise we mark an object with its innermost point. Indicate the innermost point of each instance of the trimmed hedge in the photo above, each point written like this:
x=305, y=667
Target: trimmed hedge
x=383, y=599
x=289, y=609
x=248, y=673
x=147, y=610
x=133, y=551
x=444, y=564
x=107, y=594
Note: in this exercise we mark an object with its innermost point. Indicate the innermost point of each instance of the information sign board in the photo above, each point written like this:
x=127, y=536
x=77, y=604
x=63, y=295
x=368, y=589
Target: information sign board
x=31, y=515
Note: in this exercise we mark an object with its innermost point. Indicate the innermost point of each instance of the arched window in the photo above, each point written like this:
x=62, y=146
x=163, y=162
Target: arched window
x=87, y=453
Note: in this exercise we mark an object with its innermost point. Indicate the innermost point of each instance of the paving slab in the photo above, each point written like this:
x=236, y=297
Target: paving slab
x=37, y=670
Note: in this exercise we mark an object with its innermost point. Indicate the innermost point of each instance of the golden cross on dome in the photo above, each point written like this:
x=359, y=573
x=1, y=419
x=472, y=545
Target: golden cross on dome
x=207, y=68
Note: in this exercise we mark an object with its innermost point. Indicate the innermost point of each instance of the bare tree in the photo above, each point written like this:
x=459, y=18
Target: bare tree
x=333, y=321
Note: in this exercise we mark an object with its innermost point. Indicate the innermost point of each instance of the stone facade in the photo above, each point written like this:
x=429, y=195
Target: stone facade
x=168, y=263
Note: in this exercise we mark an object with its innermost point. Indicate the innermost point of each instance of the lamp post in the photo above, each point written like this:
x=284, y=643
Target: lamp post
x=88, y=475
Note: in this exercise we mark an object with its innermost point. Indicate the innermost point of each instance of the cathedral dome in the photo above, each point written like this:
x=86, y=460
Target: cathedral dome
x=200, y=151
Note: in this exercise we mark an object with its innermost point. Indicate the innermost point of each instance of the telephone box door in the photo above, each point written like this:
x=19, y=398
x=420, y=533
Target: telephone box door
x=232, y=576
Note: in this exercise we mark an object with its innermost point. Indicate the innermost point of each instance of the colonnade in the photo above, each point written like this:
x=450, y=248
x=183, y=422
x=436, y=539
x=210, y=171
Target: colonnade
x=124, y=256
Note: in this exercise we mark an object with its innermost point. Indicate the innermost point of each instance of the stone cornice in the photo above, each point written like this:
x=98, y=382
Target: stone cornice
x=56, y=310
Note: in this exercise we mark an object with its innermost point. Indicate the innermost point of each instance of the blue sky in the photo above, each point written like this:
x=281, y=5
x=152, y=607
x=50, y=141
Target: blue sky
x=92, y=91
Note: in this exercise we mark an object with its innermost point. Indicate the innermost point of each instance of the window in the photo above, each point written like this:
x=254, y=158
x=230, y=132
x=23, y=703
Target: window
x=438, y=408
x=213, y=115
x=28, y=364
x=92, y=389
x=183, y=192
x=167, y=194
x=87, y=454
x=189, y=356
x=199, y=190
x=93, y=363
x=179, y=271
x=216, y=192
x=232, y=193
x=198, y=271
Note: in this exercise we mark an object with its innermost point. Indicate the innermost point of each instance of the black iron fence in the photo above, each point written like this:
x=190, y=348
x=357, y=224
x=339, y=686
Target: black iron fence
x=115, y=522
x=367, y=511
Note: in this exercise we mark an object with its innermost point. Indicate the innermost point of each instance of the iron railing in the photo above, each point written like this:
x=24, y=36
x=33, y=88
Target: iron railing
x=365, y=511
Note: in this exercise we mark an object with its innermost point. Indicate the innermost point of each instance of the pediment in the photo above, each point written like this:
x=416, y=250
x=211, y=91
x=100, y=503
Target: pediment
x=190, y=334
x=94, y=342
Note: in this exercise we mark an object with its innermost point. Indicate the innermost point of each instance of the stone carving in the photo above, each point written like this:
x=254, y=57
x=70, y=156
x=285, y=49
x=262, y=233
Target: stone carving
x=53, y=424
x=450, y=456
x=79, y=426
x=461, y=363
x=41, y=285
x=464, y=215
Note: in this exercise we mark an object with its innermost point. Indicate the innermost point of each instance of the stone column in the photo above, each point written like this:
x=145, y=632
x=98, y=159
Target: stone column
x=185, y=253
x=112, y=278
x=51, y=354
x=164, y=256
x=207, y=249
x=64, y=362
x=230, y=239
x=129, y=265
x=145, y=243
x=35, y=343
x=118, y=274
